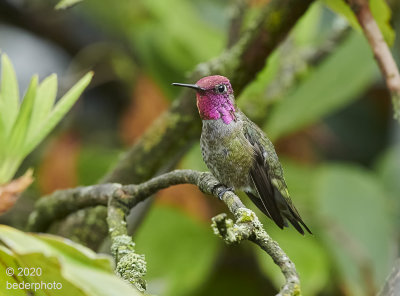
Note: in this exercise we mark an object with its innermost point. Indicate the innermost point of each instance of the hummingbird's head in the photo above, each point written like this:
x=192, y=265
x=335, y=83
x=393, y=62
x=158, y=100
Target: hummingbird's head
x=215, y=98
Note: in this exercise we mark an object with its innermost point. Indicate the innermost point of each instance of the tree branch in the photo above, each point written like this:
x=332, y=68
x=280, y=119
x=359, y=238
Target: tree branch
x=238, y=11
x=173, y=133
x=61, y=203
x=380, y=49
x=129, y=265
x=122, y=198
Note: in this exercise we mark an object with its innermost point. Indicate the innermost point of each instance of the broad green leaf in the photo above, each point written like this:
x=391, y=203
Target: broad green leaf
x=78, y=269
x=77, y=252
x=305, y=31
x=388, y=169
x=326, y=89
x=180, y=252
x=86, y=269
x=9, y=94
x=36, y=263
x=380, y=11
x=342, y=8
x=94, y=162
x=61, y=108
x=8, y=261
x=64, y=4
x=358, y=224
x=300, y=179
x=44, y=101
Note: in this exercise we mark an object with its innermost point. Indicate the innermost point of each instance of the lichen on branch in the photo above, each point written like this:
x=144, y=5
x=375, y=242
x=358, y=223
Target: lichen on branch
x=172, y=134
x=122, y=198
x=130, y=266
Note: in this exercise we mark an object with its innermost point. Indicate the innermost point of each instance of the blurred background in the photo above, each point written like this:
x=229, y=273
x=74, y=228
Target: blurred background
x=320, y=98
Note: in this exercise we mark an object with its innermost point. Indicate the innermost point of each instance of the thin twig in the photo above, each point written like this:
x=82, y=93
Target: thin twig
x=381, y=50
x=123, y=198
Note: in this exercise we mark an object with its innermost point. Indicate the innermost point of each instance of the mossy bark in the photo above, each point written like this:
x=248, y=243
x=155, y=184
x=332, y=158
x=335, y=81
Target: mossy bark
x=121, y=199
x=167, y=140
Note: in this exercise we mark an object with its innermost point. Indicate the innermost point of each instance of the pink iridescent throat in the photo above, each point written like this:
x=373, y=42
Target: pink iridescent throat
x=215, y=106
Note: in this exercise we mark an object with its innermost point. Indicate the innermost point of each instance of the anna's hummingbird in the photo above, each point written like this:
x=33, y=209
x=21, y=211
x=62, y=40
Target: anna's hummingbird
x=239, y=154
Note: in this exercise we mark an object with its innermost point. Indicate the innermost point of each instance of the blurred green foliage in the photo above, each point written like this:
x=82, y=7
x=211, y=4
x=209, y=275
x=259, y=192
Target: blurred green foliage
x=24, y=125
x=180, y=251
x=325, y=89
x=380, y=11
x=351, y=206
x=345, y=189
x=71, y=269
x=63, y=4
x=168, y=37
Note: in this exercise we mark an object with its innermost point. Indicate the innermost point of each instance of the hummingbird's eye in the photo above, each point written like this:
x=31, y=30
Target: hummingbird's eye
x=221, y=88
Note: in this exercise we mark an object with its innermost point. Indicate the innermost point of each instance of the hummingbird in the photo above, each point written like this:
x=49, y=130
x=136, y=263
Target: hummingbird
x=239, y=154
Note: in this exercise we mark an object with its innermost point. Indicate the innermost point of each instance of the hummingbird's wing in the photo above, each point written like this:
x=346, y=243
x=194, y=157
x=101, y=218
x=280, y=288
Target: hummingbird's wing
x=266, y=174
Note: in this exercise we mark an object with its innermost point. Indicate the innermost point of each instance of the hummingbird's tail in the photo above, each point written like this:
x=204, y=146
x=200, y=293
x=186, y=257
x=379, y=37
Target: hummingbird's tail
x=270, y=200
x=288, y=215
x=294, y=219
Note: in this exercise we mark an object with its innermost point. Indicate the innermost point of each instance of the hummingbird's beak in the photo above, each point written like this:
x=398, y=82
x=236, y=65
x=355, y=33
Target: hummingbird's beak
x=194, y=86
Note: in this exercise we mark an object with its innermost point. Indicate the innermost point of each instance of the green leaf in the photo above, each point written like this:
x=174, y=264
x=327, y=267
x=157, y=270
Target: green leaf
x=2, y=129
x=9, y=260
x=388, y=169
x=11, y=155
x=193, y=160
x=50, y=271
x=44, y=101
x=18, y=132
x=354, y=210
x=250, y=98
x=9, y=94
x=64, y=4
x=380, y=11
x=382, y=15
x=79, y=270
x=307, y=28
x=342, y=8
x=94, y=162
x=326, y=89
x=61, y=108
x=180, y=252
x=300, y=179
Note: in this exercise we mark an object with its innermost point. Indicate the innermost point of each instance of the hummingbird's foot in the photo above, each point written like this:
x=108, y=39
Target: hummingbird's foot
x=222, y=192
